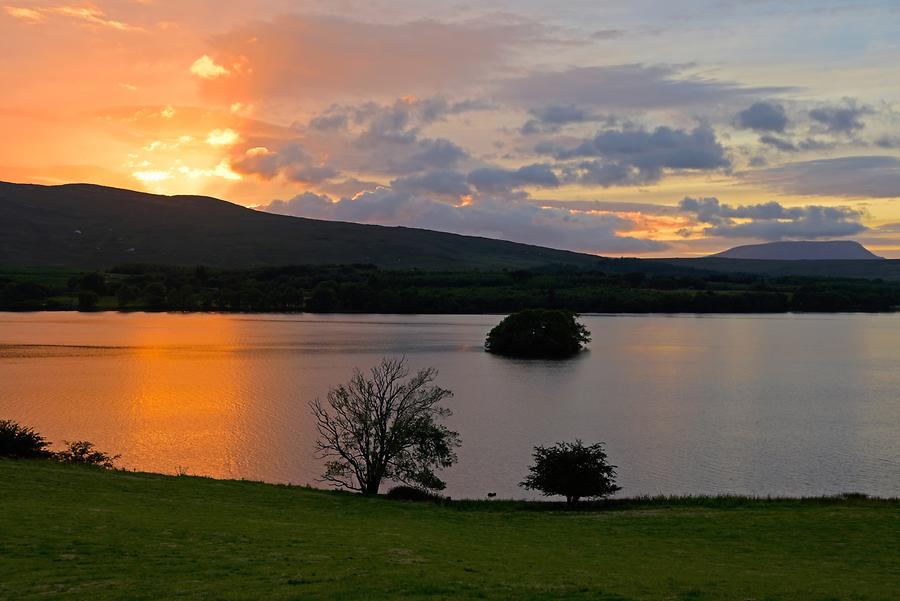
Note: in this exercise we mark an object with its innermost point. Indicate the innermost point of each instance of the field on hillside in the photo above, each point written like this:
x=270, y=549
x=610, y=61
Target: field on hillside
x=77, y=533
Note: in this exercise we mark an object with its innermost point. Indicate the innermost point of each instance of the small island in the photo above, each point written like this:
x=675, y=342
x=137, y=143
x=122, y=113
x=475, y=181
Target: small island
x=538, y=334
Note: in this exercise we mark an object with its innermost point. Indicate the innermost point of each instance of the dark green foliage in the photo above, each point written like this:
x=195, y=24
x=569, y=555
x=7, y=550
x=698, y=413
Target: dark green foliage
x=21, y=442
x=87, y=300
x=572, y=470
x=612, y=286
x=383, y=426
x=82, y=452
x=412, y=493
x=547, y=333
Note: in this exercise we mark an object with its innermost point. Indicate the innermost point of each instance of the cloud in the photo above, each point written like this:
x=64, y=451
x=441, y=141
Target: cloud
x=440, y=182
x=773, y=221
x=639, y=156
x=222, y=137
x=87, y=14
x=782, y=144
x=836, y=119
x=206, y=68
x=888, y=141
x=551, y=118
x=504, y=218
x=292, y=162
x=309, y=56
x=852, y=177
x=25, y=14
x=763, y=116
x=495, y=179
x=627, y=87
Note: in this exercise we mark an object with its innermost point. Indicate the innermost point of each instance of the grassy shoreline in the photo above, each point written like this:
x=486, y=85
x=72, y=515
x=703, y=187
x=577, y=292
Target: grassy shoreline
x=71, y=532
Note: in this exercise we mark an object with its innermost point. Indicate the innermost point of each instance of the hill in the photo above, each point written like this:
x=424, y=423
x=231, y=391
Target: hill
x=94, y=227
x=77, y=533
x=832, y=250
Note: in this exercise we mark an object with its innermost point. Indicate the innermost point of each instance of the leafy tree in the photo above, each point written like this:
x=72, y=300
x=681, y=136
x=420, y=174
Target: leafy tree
x=572, y=470
x=154, y=294
x=126, y=295
x=21, y=442
x=324, y=298
x=383, y=426
x=83, y=452
x=548, y=333
x=87, y=300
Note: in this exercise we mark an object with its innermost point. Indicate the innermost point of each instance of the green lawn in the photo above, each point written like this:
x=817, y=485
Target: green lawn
x=78, y=533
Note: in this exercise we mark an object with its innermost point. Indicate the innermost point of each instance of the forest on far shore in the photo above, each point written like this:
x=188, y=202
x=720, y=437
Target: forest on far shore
x=368, y=289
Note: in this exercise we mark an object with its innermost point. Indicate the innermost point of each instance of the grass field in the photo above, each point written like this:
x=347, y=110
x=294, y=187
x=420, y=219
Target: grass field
x=78, y=533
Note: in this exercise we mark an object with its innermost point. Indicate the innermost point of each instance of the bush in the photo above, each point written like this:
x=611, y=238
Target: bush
x=412, y=493
x=21, y=442
x=538, y=333
x=572, y=470
x=82, y=452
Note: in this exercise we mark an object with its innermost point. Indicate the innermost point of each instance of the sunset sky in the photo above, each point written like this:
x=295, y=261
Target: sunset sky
x=641, y=128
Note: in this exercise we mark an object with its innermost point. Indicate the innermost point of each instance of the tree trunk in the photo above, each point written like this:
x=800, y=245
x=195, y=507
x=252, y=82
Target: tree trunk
x=371, y=487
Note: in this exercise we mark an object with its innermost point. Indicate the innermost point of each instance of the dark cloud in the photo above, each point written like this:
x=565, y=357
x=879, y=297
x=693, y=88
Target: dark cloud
x=773, y=221
x=495, y=179
x=846, y=119
x=853, y=177
x=349, y=187
x=888, y=142
x=551, y=118
x=442, y=182
x=329, y=121
x=780, y=143
x=628, y=87
x=763, y=116
x=508, y=218
x=787, y=145
x=291, y=161
x=639, y=156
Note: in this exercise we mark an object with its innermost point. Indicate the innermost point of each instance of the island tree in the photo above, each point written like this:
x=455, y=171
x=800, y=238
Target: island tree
x=572, y=470
x=383, y=425
x=538, y=333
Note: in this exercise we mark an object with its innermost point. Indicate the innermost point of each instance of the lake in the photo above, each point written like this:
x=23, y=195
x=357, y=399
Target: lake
x=748, y=404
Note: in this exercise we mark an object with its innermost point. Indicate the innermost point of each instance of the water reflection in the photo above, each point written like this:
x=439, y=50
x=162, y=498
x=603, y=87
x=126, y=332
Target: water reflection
x=744, y=404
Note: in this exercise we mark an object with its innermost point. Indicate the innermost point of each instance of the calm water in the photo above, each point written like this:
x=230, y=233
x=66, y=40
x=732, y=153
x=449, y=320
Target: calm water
x=740, y=404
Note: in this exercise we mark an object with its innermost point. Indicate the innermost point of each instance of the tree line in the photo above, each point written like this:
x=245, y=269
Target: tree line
x=368, y=289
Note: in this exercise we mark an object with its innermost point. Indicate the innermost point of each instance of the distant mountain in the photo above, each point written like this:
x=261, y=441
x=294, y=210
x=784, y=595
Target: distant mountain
x=834, y=250
x=87, y=226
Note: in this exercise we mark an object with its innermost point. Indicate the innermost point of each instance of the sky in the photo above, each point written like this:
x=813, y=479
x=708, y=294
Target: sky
x=640, y=128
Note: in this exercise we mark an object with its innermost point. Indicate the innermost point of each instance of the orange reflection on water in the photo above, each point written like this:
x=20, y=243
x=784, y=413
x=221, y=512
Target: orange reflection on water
x=184, y=395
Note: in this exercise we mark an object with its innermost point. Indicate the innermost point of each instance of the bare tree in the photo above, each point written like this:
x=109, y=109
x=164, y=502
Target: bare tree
x=382, y=426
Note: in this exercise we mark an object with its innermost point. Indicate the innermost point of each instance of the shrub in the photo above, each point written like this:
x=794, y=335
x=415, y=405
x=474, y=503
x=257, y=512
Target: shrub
x=412, y=493
x=572, y=470
x=82, y=452
x=538, y=333
x=21, y=442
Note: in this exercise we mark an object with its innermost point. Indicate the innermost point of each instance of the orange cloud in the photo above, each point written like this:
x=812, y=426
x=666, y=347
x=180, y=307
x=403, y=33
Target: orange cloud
x=24, y=14
x=87, y=13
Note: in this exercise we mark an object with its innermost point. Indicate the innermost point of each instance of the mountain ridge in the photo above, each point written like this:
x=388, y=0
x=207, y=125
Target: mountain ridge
x=801, y=250
x=91, y=226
